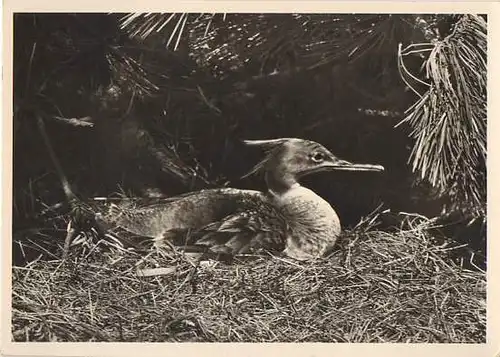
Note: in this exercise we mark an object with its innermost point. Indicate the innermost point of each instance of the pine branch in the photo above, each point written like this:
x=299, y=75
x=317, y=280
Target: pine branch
x=449, y=120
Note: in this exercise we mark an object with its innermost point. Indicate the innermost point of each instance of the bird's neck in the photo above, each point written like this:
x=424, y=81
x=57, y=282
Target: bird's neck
x=279, y=181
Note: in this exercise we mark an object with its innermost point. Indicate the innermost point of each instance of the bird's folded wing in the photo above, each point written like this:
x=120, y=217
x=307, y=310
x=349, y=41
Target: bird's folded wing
x=239, y=233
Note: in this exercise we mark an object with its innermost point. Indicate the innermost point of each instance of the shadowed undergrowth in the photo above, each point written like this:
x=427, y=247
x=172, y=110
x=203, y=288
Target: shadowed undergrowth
x=402, y=286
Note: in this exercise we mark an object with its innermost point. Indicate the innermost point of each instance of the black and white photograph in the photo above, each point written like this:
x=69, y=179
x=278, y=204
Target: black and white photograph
x=262, y=177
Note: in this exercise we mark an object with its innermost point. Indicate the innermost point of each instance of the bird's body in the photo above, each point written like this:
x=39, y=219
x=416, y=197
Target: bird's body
x=288, y=218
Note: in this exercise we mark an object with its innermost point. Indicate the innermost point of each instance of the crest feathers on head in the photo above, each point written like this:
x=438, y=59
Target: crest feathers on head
x=269, y=146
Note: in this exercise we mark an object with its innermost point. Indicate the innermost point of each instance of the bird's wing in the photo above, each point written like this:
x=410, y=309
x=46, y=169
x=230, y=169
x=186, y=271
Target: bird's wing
x=242, y=232
x=211, y=193
x=192, y=210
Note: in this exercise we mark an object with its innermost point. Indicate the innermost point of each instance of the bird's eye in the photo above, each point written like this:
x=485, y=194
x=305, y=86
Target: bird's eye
x=318, y=157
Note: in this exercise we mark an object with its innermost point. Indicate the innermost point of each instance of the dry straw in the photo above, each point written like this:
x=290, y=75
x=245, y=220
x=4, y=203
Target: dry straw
x=401, y=286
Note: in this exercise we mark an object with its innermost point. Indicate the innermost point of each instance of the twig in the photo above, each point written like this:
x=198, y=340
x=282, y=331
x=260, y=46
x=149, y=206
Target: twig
x=205, y=100
x=79, y=122
x=62, y=177
x=156, y=271
x=71, y=197
x=70, y=235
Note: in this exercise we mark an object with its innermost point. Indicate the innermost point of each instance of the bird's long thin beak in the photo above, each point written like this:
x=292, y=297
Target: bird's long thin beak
x=343, y=165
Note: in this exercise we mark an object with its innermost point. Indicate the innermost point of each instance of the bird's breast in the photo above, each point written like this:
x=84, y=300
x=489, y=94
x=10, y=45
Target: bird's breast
x=313, y=224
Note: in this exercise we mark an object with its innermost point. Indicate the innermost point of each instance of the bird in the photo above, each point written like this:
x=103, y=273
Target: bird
x=287, y=218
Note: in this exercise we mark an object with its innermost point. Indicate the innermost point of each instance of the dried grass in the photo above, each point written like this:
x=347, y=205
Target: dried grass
x=377, y=287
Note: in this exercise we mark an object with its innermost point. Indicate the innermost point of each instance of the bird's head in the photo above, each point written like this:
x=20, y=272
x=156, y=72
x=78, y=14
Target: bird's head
x=289, y=159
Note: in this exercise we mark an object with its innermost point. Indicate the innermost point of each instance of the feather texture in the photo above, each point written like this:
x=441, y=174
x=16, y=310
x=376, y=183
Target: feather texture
x=287, y=218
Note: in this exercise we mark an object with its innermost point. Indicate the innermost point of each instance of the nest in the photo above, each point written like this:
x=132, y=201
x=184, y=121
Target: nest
x=399, y=286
